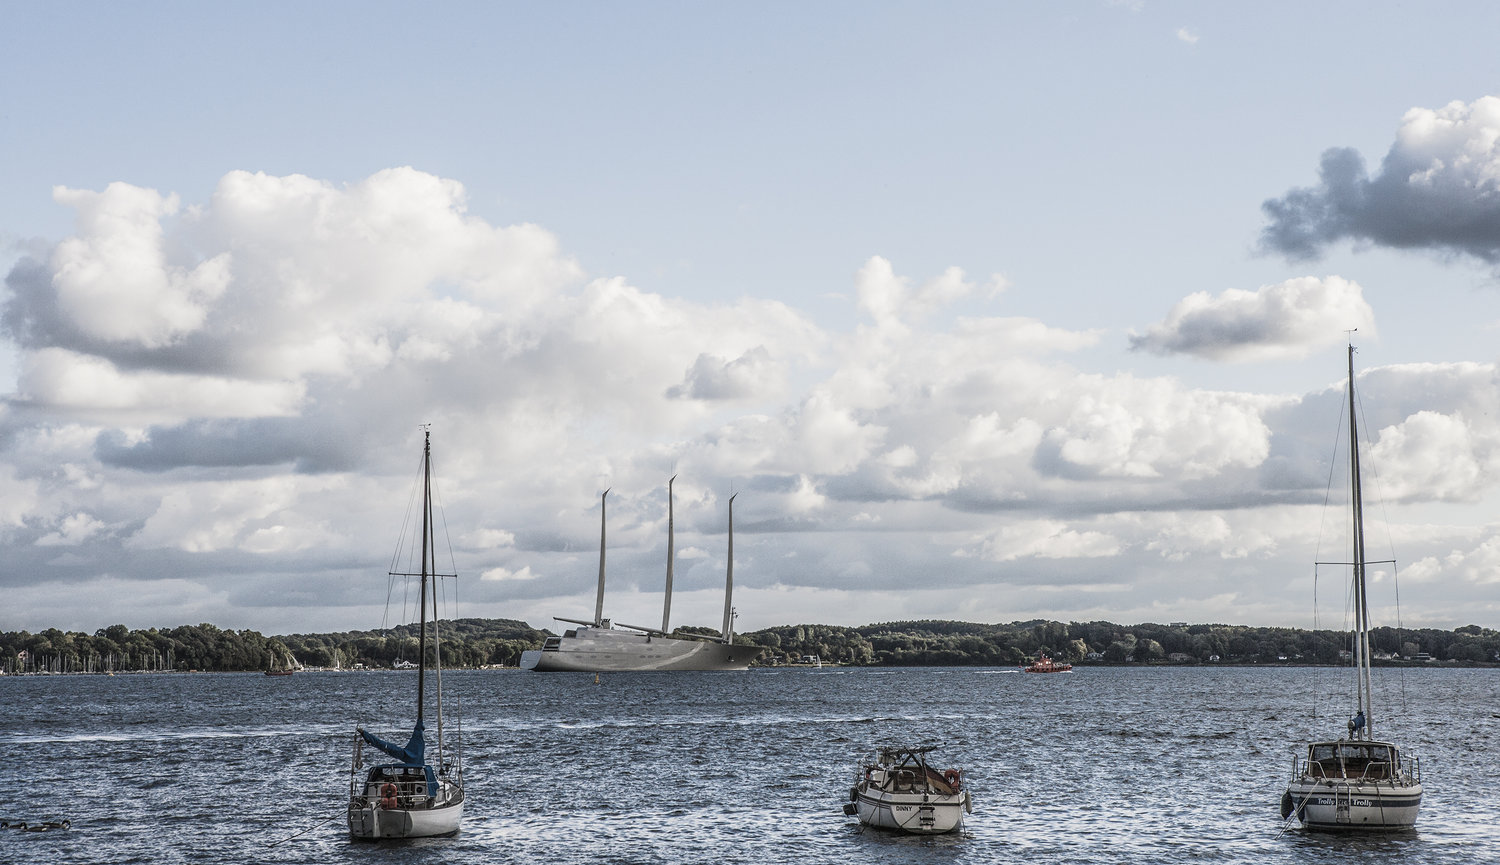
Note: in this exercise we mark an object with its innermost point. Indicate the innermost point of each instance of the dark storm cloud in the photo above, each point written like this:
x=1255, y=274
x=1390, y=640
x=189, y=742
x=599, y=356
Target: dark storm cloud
x=1205, y=335
x=1430, y=193
x=234, y=443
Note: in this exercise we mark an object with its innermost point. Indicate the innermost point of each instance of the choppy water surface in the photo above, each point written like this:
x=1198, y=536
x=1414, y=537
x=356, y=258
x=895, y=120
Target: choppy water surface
x=1099, y=765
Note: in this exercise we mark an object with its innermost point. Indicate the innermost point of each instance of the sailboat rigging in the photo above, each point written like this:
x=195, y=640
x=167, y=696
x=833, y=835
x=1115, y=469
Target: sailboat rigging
x=1355, y=782
x=409, y=798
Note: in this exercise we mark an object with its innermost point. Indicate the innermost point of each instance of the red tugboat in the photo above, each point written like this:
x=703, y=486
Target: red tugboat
x=1045, y=664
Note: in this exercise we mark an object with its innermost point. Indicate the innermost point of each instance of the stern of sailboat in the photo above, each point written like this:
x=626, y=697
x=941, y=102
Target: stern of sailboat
x=1353, y=785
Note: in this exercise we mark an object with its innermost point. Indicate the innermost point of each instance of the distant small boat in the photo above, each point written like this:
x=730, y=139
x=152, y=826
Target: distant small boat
x=898, y=790
x=410, y=797
x=1044, y=664
x=284, y=669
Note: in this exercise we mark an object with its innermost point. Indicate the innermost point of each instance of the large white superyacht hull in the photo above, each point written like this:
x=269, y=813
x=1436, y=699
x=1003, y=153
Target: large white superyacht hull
x=607, y=650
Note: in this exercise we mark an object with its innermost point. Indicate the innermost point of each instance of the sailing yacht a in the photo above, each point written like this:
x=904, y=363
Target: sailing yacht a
x=599, y=646
x=1357, y=782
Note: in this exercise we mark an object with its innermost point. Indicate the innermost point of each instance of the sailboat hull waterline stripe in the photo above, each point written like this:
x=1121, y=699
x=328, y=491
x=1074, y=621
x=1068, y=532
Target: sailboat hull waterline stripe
x=1356, y=806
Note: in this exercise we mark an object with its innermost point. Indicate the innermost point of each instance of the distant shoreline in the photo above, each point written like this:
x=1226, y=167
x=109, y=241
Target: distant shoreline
x=1097, y=665
x=498, y=643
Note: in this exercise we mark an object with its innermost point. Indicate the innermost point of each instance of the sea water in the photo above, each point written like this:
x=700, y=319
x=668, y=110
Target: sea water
x=1112, y=765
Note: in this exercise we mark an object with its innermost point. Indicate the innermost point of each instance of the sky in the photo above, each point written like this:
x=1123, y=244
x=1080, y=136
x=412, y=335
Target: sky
x=985, y=311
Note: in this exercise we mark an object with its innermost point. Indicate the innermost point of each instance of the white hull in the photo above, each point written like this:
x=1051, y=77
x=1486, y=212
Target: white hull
x=901, y=791
x=912, y=812
x=368, y=821
x=1341, y=805
x=607, y=650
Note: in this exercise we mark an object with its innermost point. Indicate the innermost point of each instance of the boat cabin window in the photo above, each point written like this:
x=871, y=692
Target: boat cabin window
x=1353, y=751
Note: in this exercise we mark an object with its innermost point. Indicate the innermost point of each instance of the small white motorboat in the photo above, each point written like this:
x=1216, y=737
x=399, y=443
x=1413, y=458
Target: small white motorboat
x=899, y=790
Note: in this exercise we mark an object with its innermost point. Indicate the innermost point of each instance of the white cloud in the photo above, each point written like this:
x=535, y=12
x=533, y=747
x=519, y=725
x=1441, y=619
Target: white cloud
x=1436, y=457
x=1045, y=539
x=712, y=377
x=489, y=539
x=506, y=575
x=276, y=434
x=1126, y=427
x=1287, y=320
x=891, y=301
x=18, y=497
x=229, y=515
x=286, y=538
x=68, y=381
x=1477, y=566
x=1186, y=35
x=73, y=530
x=113, y=278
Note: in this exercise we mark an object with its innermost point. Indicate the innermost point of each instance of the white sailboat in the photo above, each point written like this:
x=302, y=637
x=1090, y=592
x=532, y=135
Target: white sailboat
x=898, y=790
x=1357, y=782
x=599, y=646
x=411, y=797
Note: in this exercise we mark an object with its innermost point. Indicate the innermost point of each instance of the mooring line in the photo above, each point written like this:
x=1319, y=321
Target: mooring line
x=305, y=831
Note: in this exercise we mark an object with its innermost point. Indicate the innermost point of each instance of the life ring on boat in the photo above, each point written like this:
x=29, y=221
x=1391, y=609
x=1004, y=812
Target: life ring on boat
x=951, y=776
x=388, y=796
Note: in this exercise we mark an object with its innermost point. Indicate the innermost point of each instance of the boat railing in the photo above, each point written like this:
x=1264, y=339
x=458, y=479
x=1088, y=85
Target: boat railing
x=1371, y=770
x=409, y=793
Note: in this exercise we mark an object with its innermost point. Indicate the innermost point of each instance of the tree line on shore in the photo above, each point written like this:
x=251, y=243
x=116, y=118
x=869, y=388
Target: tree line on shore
x=943, y=643
x=205, y=647
x=500, y=642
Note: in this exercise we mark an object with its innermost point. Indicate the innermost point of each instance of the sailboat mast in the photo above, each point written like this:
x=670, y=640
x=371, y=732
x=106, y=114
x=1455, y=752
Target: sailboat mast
x=437, y=639
x=599, y=601
x=666, y=610
x=426, y=530
x=728, y=631
x=1361, y=604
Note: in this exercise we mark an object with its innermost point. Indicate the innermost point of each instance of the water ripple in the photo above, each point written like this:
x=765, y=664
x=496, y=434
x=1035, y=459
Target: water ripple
x=1102, y=765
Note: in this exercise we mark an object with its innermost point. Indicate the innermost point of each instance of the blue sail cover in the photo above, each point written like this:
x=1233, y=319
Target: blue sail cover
x=414, y=752
x=412, y=756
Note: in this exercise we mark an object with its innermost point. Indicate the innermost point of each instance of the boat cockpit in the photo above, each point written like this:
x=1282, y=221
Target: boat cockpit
x=1349, y=759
